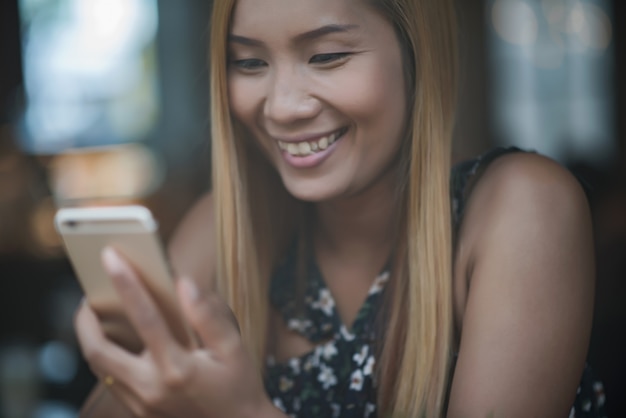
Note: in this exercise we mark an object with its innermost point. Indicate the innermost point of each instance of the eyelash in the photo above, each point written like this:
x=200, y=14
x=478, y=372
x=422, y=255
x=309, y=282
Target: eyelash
x=254, y=64
x=328, y=58
x=249, y=64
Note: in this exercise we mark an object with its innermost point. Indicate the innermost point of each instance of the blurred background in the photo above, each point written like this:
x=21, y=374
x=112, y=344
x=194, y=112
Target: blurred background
x=106, y=102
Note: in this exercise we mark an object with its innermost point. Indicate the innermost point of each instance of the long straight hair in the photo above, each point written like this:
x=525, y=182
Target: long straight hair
x=256, y=217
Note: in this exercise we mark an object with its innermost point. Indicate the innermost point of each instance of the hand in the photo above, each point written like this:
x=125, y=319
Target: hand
x=216, y=379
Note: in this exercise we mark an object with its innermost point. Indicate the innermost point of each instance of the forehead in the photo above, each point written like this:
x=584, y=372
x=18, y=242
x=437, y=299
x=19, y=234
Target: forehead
x=264, y=18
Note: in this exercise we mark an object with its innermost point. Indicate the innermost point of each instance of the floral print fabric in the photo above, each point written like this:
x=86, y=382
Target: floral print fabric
x=336, y=379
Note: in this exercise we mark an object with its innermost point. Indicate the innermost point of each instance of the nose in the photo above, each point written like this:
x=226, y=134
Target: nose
x=289, y=98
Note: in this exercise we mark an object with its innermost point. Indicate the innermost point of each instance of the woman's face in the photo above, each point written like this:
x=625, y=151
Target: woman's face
x=319, y=85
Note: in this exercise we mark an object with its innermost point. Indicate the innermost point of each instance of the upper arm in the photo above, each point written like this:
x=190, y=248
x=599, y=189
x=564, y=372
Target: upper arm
x=192, y=247
x=527, y=314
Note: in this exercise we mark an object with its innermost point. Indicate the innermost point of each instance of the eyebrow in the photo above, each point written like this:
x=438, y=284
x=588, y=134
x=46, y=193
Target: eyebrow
x=306, y=36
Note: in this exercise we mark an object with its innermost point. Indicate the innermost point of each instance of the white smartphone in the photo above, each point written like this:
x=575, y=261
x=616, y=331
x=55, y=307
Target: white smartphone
x=132, y=232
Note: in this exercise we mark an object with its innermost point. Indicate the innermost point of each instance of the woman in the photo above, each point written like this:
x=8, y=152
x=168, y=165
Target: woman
x=331, y=145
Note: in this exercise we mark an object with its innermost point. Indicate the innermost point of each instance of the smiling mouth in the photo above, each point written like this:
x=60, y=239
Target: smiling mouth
x=305, y=148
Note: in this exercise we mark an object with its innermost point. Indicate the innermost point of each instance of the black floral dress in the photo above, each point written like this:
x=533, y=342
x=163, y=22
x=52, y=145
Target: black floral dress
x=337, y=378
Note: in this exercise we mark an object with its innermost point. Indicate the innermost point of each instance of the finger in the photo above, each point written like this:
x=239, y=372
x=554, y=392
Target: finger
x=130, y=398
x=104, y=357
x=139, y=306
x=114, y=399
x=122, y=374
x=209, y=316
x=101, y=400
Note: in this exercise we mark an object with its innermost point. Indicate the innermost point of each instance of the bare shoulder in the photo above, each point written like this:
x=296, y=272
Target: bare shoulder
x=524, y=282
x=192, y=247
x=529, y=202
x=524, y=185
x=522, y=193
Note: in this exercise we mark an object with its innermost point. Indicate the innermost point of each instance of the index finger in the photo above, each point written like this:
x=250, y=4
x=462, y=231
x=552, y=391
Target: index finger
x=140, y=307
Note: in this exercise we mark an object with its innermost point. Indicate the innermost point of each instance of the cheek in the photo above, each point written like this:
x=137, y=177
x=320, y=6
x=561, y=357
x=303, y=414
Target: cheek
x=244, y=97
x=377, y=101
x=241, y=99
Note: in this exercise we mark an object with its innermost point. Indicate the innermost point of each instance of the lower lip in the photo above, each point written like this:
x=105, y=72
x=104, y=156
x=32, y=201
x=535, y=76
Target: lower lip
x=313, y=160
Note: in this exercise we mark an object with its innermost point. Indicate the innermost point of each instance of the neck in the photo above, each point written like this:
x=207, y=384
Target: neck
x=359, y=226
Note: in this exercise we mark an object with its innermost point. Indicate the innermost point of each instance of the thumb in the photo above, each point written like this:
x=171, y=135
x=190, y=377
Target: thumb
x=209, y=316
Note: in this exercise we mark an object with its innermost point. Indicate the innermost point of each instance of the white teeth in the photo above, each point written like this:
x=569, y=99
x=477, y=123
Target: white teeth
x=304, y=148
x=292, y=149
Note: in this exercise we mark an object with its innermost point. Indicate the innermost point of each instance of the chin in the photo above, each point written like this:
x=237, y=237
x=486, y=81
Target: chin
x=312, y=191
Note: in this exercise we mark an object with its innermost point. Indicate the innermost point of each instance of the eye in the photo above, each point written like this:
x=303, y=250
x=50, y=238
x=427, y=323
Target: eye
x=249, y=64
x=334, y=57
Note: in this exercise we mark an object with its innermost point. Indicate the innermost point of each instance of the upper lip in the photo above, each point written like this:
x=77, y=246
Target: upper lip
x=306, y=137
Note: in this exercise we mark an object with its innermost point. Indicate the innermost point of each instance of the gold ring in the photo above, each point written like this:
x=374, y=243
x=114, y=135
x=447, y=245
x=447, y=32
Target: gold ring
x=108, y=380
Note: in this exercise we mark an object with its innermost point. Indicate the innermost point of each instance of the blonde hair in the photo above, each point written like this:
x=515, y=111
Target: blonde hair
x=414, y=362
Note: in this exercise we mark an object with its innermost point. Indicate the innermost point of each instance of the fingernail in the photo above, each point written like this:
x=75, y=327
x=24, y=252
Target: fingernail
x=190, y=289
x=112, y=261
